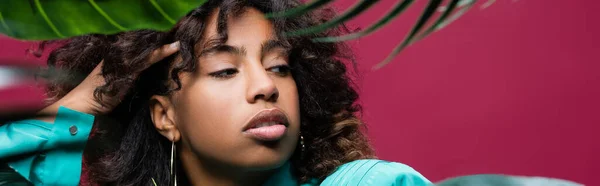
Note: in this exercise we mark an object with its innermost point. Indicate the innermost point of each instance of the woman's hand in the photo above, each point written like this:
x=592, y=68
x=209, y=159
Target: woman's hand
x=81, y=98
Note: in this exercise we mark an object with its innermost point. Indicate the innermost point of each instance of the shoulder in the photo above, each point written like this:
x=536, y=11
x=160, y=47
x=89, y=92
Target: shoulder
x=375, y=172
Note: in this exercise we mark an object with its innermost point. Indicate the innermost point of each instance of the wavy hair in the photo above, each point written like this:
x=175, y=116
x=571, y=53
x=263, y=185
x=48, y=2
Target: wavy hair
x=126, y=149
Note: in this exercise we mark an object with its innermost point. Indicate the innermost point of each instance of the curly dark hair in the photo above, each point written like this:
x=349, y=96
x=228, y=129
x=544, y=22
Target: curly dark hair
x=136, y=153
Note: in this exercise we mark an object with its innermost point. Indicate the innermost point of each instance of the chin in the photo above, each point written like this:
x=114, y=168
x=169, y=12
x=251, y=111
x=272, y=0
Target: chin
x=265, y=165
x=266, y=158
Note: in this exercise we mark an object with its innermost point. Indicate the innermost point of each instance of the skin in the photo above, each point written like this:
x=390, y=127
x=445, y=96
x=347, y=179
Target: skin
x=207, y=116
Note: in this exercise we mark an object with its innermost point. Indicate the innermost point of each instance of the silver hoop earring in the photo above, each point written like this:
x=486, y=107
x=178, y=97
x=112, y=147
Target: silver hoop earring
x=173, y=168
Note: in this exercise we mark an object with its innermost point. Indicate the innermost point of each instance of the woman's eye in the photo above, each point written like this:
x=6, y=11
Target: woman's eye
x=226, y=73
x=282, y=70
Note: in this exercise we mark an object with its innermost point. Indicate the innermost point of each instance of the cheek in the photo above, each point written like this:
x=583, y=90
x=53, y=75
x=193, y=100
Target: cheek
x=288, y=99
x=207, y=113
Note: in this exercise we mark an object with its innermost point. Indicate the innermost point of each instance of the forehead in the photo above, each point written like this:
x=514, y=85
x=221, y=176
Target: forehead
x=247, y=27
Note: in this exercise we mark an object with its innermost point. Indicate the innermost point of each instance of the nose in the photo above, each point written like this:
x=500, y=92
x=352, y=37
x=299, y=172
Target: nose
x=260, y=85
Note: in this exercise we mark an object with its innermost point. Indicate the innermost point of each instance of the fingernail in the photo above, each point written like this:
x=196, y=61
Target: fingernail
x=174, y=45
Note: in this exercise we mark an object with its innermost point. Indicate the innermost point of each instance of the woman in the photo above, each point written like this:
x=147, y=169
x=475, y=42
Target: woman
x=222, y=99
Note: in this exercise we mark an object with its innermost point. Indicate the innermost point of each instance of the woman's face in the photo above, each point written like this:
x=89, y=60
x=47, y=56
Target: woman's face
x=241, y=108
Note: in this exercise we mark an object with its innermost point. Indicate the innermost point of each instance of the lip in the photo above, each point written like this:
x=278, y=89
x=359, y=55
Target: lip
x=267, y=133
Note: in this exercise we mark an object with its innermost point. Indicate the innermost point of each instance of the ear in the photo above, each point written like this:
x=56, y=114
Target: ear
x=162, y=115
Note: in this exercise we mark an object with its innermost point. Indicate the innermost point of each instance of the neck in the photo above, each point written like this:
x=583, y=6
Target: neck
x=210, y=172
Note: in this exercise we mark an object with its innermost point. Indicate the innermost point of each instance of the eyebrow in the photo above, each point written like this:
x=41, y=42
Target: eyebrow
x=266, y=47
x=270, y=45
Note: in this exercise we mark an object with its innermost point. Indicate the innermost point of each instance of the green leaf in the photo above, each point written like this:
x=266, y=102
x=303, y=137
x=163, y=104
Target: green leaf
x=446, y=13
x=313, y=5
x=465, y=5
x=447, y=17
x=353, y=12
x=427, y=14
x=504, y=180
x=396, y=10
x=488, y=4
x=56, y=19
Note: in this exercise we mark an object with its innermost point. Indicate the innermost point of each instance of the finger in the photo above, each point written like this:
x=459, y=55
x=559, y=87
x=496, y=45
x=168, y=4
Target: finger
x=164, y=51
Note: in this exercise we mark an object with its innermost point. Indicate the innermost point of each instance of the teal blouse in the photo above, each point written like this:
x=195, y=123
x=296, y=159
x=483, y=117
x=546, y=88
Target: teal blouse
x=56, y=156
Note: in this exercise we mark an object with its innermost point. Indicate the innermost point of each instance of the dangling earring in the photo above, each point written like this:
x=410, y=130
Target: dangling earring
x=173, y=168
x=302, y=147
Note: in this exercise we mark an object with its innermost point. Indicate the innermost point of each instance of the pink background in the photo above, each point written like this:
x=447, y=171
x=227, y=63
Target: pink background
x=510, y=89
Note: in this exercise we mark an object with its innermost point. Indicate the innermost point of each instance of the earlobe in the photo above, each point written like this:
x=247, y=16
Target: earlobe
x=162, y=115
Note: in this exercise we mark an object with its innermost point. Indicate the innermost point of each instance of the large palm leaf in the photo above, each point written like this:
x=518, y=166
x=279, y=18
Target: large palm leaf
x=56, y=19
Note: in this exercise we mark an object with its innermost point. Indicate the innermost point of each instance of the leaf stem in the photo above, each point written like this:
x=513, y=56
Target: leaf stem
x=110, y=20
x=162, y=12
x=38, y=5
